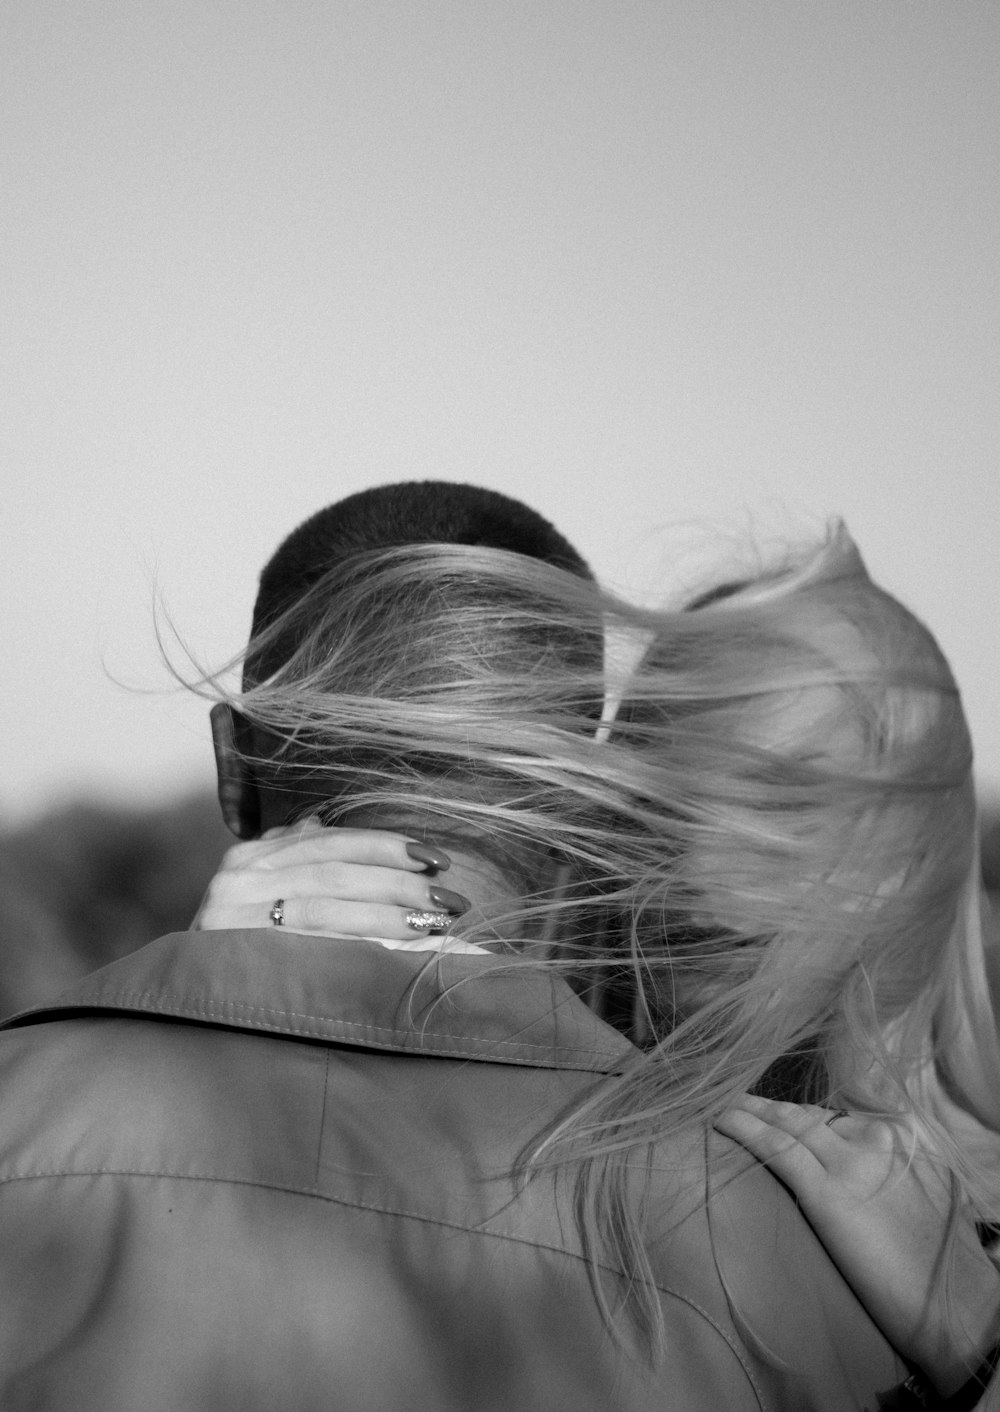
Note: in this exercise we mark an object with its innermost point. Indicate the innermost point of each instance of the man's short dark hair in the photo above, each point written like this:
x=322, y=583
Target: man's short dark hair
x=409, y=512
x=405, y=513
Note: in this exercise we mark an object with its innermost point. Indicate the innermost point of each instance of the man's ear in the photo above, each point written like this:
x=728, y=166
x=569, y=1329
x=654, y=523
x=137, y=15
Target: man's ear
x=239, y=798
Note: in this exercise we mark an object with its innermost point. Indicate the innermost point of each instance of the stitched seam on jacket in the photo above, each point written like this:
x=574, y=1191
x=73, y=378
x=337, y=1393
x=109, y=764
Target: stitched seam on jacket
x=219, y=1013
x=322, y=1117
x=494, y=1234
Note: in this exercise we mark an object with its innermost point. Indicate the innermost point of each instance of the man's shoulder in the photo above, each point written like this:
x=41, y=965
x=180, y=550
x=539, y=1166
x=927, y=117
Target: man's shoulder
x=734, y=1223
x=351, y=991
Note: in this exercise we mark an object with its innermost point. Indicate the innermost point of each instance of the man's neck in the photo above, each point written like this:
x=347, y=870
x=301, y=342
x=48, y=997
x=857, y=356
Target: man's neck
x=493, y=898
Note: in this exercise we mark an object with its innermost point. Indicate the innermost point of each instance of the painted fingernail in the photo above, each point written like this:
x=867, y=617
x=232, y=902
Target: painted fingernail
x=434, y=859
x=452, y=902
x=426, y=921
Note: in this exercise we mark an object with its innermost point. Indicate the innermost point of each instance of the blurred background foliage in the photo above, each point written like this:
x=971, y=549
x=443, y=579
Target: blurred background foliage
x=88, y=883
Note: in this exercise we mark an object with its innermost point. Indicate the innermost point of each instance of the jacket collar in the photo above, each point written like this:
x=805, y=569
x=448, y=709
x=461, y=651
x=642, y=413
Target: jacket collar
x=348, y=991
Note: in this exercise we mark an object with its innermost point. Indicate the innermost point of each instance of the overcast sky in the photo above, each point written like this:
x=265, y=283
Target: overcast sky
x=694, y=263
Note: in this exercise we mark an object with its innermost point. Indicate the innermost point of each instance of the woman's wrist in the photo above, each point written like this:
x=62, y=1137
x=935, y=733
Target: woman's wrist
x=966, y=1351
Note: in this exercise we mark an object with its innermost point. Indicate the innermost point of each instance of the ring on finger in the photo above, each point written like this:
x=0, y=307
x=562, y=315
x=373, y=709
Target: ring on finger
x=840, y=1113
x=277, y=912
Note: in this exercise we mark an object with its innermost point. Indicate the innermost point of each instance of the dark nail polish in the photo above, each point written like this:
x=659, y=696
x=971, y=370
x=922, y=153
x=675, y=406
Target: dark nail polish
x=452, y=902
x=436, y=860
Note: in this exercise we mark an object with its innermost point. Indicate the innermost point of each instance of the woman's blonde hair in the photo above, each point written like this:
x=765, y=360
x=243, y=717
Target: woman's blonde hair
x=769, y=876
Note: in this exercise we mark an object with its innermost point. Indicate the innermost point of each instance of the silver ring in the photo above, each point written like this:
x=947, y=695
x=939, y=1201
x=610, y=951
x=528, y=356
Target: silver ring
x=840, y=1113
x=277, y=912
x=421, y=921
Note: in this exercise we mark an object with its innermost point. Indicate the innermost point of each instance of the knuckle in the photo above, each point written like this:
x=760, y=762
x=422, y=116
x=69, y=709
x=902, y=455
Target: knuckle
x=334, y=877
x=216, y=891
x=878, y=1132
x=238, y=856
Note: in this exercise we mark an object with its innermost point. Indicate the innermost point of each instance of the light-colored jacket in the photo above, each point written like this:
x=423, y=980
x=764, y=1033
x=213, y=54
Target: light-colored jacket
x=258, y=1172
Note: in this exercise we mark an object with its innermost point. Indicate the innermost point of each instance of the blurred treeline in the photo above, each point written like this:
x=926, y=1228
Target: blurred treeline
x=88, y=883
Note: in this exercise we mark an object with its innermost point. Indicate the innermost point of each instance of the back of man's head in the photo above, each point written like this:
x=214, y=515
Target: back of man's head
x=406, y=513
x=385, y=517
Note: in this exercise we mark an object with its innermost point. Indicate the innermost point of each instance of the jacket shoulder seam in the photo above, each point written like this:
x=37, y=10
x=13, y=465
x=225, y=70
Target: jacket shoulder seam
x=318, y=1027
x=400, y=1212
